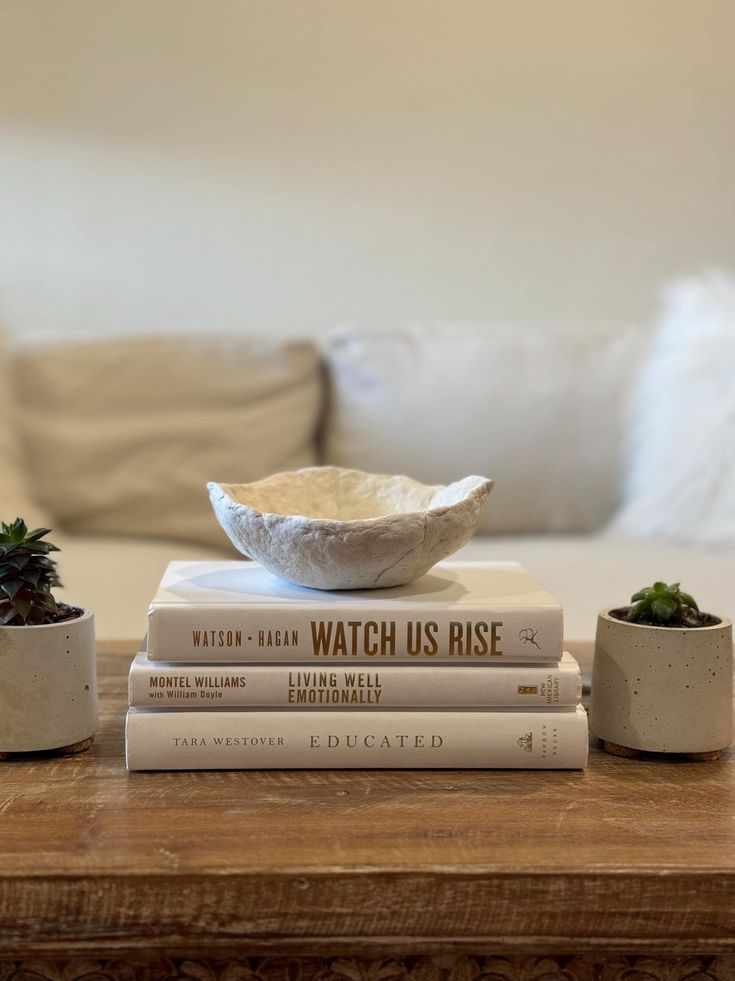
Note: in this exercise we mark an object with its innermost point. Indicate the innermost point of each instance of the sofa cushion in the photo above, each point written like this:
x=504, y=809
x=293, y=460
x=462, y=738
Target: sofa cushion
x=680, y=482
x=123, y=435
x=537, y=409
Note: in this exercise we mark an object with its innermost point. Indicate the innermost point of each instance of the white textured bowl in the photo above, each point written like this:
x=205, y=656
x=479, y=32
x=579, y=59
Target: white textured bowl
x=344, y=529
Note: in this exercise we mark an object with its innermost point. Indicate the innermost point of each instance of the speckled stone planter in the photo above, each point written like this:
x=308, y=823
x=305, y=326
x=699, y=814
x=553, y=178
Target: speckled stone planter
x=662, y=689
x=48, y=686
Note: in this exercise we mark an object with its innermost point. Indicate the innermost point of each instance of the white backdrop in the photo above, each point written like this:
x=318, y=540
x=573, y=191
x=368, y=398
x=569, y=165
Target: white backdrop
x=282, y=164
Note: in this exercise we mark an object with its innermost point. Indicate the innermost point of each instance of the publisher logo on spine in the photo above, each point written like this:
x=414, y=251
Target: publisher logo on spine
x=526, y=742
x=528, y=636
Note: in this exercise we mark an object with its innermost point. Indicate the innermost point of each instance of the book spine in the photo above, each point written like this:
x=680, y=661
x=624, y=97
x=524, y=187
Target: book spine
x=229, y=634
x=161, y=685
x=243, y=740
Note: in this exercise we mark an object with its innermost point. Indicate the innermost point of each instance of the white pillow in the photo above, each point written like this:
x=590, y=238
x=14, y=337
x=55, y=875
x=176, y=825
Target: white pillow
x=538, y=409
x=681, y=455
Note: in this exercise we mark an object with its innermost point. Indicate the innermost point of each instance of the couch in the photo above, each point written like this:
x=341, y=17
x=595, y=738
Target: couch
x=112, y=440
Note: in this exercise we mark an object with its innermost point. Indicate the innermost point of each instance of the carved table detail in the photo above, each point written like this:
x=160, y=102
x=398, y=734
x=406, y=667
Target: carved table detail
x=432, y=968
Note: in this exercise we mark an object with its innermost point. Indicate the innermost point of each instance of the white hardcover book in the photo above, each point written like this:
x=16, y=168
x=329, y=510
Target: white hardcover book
x=221, y=739
x=159, y=684
x=459, y=613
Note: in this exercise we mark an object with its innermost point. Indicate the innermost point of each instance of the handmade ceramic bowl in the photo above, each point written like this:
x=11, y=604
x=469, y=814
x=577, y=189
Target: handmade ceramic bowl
x=332, y=528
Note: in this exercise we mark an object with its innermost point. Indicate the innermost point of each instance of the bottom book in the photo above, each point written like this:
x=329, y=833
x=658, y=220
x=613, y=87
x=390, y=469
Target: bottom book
x=221, y=739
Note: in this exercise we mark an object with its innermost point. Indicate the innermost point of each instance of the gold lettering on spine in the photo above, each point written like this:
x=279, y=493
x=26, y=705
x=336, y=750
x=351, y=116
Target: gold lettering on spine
x=334, y=688
x=377, y=741
x=413, y=638
x=421, y=638
x=354, y=625
x=480, y=648
x=340, y=639
x=388, y=639
x=321, y=635
x=371, y=643
x=216, y=638
x=378, y=638
x=278, y=638
x=455, y=639
x=353, y=638
x=495, y=650
x=469, y=639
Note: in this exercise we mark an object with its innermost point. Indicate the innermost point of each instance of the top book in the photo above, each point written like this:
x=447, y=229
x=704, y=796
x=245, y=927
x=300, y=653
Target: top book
x=459, y=612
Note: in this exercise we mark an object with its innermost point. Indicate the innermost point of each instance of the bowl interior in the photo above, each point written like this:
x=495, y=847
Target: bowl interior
x=332, y=494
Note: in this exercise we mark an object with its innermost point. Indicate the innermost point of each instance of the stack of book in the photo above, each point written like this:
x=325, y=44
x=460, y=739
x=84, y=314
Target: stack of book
x=463, y=668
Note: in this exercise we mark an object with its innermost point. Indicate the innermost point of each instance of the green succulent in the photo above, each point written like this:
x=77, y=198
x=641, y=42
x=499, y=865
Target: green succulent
x=27, y=575
x=663, y=605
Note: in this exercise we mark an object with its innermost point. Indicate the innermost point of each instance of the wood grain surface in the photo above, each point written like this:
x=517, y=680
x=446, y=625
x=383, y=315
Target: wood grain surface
x=628, y=856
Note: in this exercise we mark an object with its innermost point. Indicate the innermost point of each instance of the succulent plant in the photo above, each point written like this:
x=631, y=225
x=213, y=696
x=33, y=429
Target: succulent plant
x=27, y=575
x=664, y=605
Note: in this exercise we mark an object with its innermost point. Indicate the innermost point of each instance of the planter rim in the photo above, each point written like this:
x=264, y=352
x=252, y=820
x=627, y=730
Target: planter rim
x=86, y=614
x=604, y=614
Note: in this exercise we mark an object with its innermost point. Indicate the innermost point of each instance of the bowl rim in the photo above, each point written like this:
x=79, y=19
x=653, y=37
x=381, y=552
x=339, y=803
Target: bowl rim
x=479, y=491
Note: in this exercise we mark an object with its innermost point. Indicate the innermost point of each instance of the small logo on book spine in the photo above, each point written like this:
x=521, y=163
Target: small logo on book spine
x=526, y=742
x=528, y=636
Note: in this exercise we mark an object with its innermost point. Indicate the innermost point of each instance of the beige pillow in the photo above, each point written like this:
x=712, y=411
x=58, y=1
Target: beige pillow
x=16, y=499
x=123, y=435
x=537, y=408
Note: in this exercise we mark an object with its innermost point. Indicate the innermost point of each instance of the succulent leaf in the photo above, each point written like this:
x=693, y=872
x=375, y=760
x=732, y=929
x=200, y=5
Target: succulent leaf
x=663, y=609
x=11, y=586
x=37, y=533
x=26, y=575
x=663, y=604
x=18, y=561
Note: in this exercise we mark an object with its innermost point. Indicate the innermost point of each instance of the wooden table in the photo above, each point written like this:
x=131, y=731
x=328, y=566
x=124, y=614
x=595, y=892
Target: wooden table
x=625, y=871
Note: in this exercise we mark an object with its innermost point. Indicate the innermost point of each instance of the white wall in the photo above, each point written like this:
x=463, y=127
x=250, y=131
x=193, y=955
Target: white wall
x=291, y=164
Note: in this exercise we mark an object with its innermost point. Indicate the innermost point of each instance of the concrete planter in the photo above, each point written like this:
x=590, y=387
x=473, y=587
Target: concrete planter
x=48, y=686
x=662, y=689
